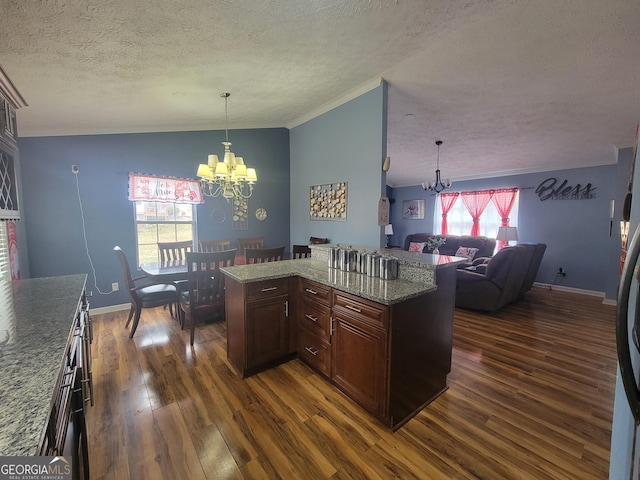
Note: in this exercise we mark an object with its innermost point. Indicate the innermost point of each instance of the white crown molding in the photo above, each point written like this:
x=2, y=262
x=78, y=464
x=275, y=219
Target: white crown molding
x=10, y=91
x=350, y=95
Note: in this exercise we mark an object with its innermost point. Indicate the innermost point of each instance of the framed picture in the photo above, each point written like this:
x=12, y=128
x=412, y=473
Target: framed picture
x=413, y=209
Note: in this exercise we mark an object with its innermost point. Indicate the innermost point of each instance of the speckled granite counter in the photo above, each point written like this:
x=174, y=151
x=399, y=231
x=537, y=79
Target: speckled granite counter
x=416, y=274
x=38, y=315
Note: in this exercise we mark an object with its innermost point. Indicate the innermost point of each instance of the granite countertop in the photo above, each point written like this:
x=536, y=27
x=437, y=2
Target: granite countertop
x=38, y=315
x=376, y=289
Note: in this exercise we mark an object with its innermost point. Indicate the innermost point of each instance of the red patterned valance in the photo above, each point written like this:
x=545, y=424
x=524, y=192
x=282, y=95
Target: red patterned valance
x=153, y=188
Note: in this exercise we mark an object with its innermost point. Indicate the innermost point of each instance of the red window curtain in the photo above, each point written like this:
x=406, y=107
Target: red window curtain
x=476, y=202
x=447, y=201
x=503, y=200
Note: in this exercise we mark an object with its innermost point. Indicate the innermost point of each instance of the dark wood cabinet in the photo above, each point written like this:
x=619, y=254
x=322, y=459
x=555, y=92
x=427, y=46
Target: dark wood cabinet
x=66, y=432
x=391, y=359
x=259, y=331
x=359, y=360
x=344, y=337
x=267, y=330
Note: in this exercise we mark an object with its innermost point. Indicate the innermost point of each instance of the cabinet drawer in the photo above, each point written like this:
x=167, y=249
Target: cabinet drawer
x=315, y=318
x=314, y=351
x=316, y=291
x=365, y=311
x=267, y=288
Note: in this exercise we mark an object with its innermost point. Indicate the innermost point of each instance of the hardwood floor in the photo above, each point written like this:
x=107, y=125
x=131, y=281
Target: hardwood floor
x=530, y=397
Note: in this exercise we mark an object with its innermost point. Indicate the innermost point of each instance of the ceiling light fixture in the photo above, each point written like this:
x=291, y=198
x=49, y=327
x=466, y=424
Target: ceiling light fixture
x=438, y=185
x=231, y=177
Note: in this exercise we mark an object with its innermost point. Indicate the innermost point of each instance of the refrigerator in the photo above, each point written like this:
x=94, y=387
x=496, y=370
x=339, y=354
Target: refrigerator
x=625, y=434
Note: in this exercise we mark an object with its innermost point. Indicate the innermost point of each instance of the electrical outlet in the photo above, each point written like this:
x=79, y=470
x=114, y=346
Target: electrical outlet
x=561, y=272
x=115, y=286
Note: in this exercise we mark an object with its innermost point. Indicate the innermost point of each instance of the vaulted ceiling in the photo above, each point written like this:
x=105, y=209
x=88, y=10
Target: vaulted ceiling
x=509, y=86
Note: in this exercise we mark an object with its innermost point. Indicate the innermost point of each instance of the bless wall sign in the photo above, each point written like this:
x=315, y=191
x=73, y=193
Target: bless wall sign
x=552, y=189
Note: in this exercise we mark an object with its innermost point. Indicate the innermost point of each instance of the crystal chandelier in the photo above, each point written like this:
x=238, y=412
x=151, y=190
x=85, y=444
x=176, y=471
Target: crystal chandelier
x=230, y=178
x=438, y=185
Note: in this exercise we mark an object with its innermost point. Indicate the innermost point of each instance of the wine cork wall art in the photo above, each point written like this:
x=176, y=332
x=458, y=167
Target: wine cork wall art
x=328, y=202
x=240, y=214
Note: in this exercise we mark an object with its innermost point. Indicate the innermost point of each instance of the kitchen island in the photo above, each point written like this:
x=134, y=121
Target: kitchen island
x=41, y=323
x=385, y=343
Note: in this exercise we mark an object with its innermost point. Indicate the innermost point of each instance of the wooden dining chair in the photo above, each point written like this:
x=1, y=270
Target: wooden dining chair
x=174, y=251
x=244, y=243
x=317, y=240
x=215, y=245
x=143, y=296
x=263, y=255
x=300, y=251
x=204, y=297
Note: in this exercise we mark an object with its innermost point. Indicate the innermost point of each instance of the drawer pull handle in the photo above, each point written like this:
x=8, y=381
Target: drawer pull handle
x=311, y=351
x=351, y=307
x=269, y=289
x=312, y=292
x=311, y=317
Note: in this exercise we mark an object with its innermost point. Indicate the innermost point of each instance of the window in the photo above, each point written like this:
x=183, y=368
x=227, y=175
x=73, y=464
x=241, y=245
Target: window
x=161, y=222
x=8, y=192
x=459, y=219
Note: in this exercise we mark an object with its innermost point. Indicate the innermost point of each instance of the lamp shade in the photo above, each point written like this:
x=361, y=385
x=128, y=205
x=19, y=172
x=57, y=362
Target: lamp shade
x=212, y=161
x=222, y=170
x=204, y=171
x=507, y=234
x=388, y=229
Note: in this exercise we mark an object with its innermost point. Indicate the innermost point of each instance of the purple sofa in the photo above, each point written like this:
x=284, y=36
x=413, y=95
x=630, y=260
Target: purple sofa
x=490, y=284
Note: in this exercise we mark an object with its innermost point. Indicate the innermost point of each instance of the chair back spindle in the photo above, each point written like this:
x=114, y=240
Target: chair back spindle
x=174, y=251
x=300, y=251
x=262, y=255
x=215, y=245
x=205, y=296
x=244, y=243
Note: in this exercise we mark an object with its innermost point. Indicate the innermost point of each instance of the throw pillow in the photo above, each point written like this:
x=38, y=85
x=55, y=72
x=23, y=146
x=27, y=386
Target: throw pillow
x=467, y=252
x=416, y=247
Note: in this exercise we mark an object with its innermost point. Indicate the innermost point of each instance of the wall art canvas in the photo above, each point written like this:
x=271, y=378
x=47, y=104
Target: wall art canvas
x=328, y=202
x=413, y=209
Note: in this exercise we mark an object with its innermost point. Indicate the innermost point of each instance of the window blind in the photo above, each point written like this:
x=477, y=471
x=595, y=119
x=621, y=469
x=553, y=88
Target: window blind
x=7, y=315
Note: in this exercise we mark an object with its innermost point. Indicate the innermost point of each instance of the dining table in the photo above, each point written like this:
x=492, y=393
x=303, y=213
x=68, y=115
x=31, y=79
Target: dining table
x=173, y=270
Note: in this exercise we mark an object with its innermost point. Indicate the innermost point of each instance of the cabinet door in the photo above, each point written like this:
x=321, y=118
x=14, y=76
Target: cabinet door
x=359, y=361
x=267, y=330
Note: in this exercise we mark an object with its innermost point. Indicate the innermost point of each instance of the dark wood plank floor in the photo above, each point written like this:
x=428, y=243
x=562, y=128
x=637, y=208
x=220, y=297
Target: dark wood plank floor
x=530, y=397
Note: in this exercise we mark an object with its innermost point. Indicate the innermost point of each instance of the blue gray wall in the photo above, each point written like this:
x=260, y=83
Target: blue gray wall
x=346, y=144
x=51, y=209
x=576, y=231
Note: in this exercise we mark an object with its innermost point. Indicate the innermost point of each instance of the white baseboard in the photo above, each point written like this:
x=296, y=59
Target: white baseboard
x=580, y=291
x=111, y=308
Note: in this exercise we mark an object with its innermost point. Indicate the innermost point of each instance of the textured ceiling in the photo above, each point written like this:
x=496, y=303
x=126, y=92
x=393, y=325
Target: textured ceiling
x=509, y=86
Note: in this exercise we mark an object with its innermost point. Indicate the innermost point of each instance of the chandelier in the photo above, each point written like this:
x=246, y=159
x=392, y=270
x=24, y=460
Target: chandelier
x=438, y=185
x=230, y=178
